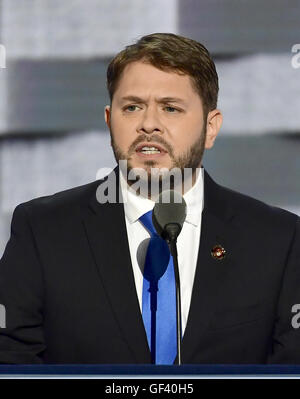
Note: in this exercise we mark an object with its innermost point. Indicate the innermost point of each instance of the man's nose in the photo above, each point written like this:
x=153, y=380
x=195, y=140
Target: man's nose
x=150, y=121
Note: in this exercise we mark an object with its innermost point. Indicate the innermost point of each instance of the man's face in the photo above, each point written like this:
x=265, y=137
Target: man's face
x=156, y=119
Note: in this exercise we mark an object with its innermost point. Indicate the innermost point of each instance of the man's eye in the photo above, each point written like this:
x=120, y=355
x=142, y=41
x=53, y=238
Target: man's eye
x=171, y=109
x=130, y=108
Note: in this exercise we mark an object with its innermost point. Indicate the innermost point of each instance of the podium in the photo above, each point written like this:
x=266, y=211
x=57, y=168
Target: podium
x=148, y=371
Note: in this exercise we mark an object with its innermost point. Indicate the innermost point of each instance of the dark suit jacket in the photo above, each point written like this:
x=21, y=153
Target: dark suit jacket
x=67, y=283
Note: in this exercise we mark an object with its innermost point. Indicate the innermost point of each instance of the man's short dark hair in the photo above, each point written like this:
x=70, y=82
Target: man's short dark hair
x=170, y=52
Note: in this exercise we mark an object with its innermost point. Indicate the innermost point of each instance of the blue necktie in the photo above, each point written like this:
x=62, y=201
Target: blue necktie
x=159, y=297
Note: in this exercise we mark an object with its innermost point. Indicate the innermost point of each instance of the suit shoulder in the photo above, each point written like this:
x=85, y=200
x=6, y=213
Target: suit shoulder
x=257, y=210
x=62, y=201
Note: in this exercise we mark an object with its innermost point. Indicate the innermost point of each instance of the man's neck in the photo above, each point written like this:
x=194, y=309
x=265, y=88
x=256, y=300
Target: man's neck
x=150, y=185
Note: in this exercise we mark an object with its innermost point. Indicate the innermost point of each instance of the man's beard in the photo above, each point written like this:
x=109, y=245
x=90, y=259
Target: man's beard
x=190, y=160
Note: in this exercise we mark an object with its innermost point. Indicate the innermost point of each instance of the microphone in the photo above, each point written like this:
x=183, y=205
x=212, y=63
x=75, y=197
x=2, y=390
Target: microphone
x=168, y=216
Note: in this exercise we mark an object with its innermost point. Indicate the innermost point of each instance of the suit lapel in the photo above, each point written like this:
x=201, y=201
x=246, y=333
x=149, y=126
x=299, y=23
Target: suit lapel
x=107, y=235
x=216, y=228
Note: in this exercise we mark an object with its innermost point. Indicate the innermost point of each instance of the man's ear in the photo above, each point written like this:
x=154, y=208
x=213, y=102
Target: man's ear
x=107, y=115
x=213, y=125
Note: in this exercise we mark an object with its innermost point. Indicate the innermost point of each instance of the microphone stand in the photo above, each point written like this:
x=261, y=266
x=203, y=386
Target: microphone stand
x=170, y=234
x=153, y=306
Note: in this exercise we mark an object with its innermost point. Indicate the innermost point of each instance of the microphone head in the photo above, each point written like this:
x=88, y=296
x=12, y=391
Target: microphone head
x=170, y=208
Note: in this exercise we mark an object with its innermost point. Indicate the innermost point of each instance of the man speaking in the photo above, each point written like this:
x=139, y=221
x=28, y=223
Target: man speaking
x=74, y=276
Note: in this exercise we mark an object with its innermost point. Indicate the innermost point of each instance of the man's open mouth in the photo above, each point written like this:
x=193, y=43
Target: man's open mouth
x=150, y=149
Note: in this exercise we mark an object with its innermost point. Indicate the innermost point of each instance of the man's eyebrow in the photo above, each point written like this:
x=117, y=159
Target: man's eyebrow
x=171, y=100
x=139, y=100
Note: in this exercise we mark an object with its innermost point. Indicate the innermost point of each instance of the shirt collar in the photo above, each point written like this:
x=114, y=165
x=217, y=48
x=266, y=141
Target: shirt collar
x=136, y=206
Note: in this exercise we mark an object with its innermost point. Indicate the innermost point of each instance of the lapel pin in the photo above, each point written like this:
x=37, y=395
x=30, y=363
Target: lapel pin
x=218, y=252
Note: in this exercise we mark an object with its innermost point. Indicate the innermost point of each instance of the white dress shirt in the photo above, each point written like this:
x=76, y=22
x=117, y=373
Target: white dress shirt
x=187, y=242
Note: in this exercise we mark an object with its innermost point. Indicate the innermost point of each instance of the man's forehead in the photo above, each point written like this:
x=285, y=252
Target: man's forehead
x=139, y=79
x=131, y=68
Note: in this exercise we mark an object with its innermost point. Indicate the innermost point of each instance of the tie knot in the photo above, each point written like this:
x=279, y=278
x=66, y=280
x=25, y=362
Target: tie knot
x=146, y=219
